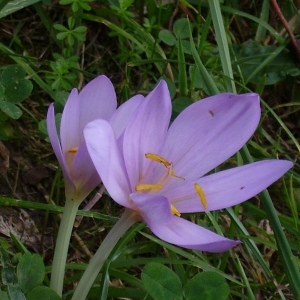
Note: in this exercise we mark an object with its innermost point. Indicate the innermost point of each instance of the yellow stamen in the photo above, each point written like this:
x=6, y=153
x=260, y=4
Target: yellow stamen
x=172, y=173
x=158, y=159
x=201, y=194
x=175, y=211
x=73, y=150
x=146, y=187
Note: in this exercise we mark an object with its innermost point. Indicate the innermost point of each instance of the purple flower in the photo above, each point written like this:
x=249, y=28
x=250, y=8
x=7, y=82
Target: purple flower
x=97, y=100
x=159, y=172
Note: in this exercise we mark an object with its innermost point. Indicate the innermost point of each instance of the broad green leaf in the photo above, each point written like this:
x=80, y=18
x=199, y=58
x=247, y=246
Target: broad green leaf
x=17, y=87
x=2, y=91
x=10, y=109
x=42, y=293
x=258, y=62
x=4, y=295
x=179, y=104
x=208, y=286
x=161, y=282
x=167, y=37
x=181, y=28
x=15, y=293
x=30, y=271
x=9, y=278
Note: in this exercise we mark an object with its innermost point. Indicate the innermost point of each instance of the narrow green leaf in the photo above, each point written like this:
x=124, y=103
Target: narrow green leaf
x=207, y=79
x=261, y=31
x=35, y=205
x=222, y=42
x=14, y=6
x=182, y=70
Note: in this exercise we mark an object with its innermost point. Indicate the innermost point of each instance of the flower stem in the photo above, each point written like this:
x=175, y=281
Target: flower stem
x=96, y=263
x=62, y=245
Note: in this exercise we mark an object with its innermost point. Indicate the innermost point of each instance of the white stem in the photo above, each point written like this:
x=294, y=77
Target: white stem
x=96, y=263
x=62, y=245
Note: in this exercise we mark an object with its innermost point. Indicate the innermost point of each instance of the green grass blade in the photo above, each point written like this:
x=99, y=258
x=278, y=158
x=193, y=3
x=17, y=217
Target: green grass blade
x=14, y=6
x=222, y=42
x=285, y=252
x=5, y=201
x=182, y=70
x=288, y=132
x=3, y=3
x=284, y=249
x=209, y=82
x=261, y=31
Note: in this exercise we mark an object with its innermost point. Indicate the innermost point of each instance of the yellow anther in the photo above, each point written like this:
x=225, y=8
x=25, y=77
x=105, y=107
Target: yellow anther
x=147, y=187
x=158, y=159
x=174, y=211
x=201, y=194
x=73, y=150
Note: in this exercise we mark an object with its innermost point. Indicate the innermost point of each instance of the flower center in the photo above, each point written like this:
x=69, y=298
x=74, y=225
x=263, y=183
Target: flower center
x=144, y=187
x=70, y=154
x=73, y=150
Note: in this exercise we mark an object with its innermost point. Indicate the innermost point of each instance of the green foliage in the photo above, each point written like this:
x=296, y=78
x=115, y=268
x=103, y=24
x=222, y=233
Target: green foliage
x=30, y=272
x=258, y=62
x=135, y=45
x=207, y=285
x=180, y=31
x=24, y=280
x=14, y=88
x=71, y=33
x=42, y=292
x=77, y=4
x=161, y=282
x=62, y=76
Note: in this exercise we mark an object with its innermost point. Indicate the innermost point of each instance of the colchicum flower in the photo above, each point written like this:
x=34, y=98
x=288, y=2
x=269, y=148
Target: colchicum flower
x=158, y=172
x=97, y=100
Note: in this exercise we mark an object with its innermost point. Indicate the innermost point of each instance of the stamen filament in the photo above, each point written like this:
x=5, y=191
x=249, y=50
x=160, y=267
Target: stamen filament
x=175, y=211
x=201, y=194
x=172, y=173
x=147, y=187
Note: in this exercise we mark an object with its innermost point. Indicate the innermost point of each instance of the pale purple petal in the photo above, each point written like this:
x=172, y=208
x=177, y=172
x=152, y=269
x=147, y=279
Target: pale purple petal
x=104, y=152
x=229, y=187
x=156, y=212
x=83, y=171
x=189, y=235
x=97, y=101
x=52, y=132
x=152, y=208
x=146, y=131
x=124, y=113
x=70, y=134
x=210, y=131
